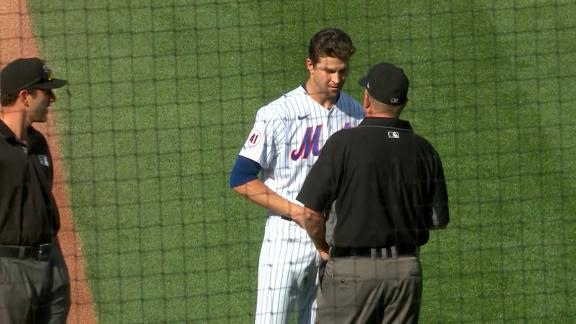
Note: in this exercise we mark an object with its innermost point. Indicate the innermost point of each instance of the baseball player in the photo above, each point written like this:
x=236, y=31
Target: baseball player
x=284, y=143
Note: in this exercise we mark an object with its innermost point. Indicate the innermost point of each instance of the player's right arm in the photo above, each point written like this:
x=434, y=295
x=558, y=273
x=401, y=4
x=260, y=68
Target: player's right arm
x=259, y=152
x=244, y=180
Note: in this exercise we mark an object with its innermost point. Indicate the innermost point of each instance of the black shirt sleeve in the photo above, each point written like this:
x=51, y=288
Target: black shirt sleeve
x=440, y=214
x=319, y=188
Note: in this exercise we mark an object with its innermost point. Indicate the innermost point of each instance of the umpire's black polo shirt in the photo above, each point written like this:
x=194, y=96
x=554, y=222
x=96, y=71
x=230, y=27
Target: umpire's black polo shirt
x=28, y=212
x=384, y=184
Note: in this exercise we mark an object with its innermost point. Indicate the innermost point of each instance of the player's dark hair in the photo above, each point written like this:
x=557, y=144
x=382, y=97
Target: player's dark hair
x=331, y=42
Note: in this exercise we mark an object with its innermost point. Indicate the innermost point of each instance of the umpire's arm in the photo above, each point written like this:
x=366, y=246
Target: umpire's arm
x=440, y=215
x=317, y=192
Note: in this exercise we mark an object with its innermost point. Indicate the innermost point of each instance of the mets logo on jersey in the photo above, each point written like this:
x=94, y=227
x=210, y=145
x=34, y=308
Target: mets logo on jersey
x=310, y=143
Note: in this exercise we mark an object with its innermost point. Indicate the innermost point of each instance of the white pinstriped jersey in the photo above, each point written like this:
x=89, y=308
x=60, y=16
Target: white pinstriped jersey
x=289, y=133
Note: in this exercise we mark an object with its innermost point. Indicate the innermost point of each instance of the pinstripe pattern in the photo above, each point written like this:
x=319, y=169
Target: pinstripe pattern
x=285, y=140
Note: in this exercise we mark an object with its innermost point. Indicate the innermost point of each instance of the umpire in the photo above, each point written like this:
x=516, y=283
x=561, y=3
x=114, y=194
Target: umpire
x=34, y=282
x=383, y=189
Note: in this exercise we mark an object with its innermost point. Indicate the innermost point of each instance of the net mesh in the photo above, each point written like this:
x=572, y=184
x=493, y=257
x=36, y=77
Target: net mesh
x=162, y=95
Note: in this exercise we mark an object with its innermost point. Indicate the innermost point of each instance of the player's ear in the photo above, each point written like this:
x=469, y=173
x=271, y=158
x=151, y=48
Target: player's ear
x=309, y=65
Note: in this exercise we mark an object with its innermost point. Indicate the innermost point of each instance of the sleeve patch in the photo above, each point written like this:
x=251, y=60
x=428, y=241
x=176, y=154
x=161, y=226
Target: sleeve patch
x=254, y=138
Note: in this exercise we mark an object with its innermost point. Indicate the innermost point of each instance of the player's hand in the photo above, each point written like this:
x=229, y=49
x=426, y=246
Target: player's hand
x=297, y=214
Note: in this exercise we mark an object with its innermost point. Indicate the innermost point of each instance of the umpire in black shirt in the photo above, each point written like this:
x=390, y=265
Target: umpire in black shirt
x=372, y=197
x=34, y=282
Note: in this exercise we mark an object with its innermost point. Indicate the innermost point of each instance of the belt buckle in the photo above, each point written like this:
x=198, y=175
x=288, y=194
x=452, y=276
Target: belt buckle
x=44, y=251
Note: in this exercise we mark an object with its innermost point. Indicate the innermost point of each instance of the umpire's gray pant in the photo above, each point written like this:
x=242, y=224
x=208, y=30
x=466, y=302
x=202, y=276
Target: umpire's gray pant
x=33, y=291
x=370, y=290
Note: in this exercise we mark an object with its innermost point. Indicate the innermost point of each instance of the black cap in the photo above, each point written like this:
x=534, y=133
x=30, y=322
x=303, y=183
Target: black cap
x=27, y=73
x=386, y=83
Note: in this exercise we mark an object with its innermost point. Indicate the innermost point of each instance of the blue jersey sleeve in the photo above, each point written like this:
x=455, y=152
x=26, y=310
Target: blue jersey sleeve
x=244, y=170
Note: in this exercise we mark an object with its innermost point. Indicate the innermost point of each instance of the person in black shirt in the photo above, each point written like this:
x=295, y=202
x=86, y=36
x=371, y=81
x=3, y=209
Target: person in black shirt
x=371, y=199
x=34, y=281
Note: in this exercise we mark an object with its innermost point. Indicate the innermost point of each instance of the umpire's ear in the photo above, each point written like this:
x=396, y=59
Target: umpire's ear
x=367, y=103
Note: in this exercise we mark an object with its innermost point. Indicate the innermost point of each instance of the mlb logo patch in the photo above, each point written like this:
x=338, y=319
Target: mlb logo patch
x=392, y=134
x=43, y=159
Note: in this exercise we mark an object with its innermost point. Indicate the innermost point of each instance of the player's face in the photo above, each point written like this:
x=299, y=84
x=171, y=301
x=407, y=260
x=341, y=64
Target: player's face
x=38, y=103
x=327, y=75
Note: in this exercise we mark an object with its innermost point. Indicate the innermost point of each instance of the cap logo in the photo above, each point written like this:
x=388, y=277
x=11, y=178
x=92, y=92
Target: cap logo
x=394, y=100
x=48, y=72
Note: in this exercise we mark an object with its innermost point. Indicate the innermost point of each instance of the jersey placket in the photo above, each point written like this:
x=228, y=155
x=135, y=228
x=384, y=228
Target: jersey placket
x=331, y=127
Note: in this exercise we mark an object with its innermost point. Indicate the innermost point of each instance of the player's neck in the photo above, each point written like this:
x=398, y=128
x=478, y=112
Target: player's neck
x=323, y=99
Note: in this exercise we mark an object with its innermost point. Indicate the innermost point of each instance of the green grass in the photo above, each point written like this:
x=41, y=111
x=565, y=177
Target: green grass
x=163, y=93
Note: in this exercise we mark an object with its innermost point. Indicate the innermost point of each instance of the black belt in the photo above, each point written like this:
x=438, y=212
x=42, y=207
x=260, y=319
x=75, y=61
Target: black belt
x=385, y=252
x=39, y=253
